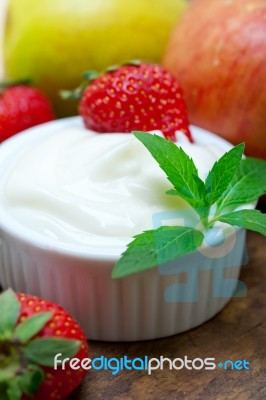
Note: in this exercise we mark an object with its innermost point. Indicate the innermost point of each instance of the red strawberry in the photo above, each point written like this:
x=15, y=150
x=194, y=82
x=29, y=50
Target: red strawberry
x=32, y=332
x=21, y=107
x=135, y=97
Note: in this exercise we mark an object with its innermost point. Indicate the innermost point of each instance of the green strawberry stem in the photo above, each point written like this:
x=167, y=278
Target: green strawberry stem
x=90, y=76
x=21, y=352
x=115, y=67
x=23, y=81
x=75, y=94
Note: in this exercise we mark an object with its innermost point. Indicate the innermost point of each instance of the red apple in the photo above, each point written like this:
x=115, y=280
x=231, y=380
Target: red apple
x=218, y=54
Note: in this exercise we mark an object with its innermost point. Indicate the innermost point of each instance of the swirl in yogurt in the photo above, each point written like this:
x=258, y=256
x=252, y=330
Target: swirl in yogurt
x=84, y=188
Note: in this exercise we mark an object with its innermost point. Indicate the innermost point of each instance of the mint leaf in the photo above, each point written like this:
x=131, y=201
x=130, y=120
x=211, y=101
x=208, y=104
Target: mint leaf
x=178, y=166
x=157, y=247
x=248, y=219
x=43, y=351
x=9, y=312
x=248, y=184
x=222, y=173
x=198, y=182
x=31, y=326
x=172, y=192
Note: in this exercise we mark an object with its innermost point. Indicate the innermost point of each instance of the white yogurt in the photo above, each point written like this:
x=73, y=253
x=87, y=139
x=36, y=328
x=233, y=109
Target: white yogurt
x=92, y=189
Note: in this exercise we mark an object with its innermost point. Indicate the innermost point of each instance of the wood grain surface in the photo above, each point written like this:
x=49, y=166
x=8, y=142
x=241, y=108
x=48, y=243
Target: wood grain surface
x=238, y=332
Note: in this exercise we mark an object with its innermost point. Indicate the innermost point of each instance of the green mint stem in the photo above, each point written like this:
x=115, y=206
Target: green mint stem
x=205, y=222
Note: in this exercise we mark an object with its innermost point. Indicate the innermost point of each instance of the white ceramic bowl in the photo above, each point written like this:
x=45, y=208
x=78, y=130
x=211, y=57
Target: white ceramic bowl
x=153, y=304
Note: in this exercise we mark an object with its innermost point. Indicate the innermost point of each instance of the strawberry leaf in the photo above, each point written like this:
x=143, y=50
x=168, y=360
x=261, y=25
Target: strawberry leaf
x=157, y=247
x=178, y=166
x=248, y=184
x=13, y=390
x=3, y=389
x=9, y=312
x=43, y=351
x=253, y=220
x=31, y=326
x=222, y=173
x=8, y=369
x=30, y=381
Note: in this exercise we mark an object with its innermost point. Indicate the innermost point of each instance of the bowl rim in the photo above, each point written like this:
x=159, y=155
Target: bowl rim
x=19, y=143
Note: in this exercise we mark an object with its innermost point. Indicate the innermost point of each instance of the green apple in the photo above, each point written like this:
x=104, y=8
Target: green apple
x=54, y=41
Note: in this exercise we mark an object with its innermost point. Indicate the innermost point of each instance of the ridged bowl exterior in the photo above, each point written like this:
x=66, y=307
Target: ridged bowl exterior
x=129, y=309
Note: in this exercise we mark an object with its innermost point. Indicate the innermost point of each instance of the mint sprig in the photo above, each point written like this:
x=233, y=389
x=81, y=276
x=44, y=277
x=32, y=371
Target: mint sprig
x=231, y=182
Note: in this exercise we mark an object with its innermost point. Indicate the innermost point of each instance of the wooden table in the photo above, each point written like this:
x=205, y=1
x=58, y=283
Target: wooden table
x=238, y=332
